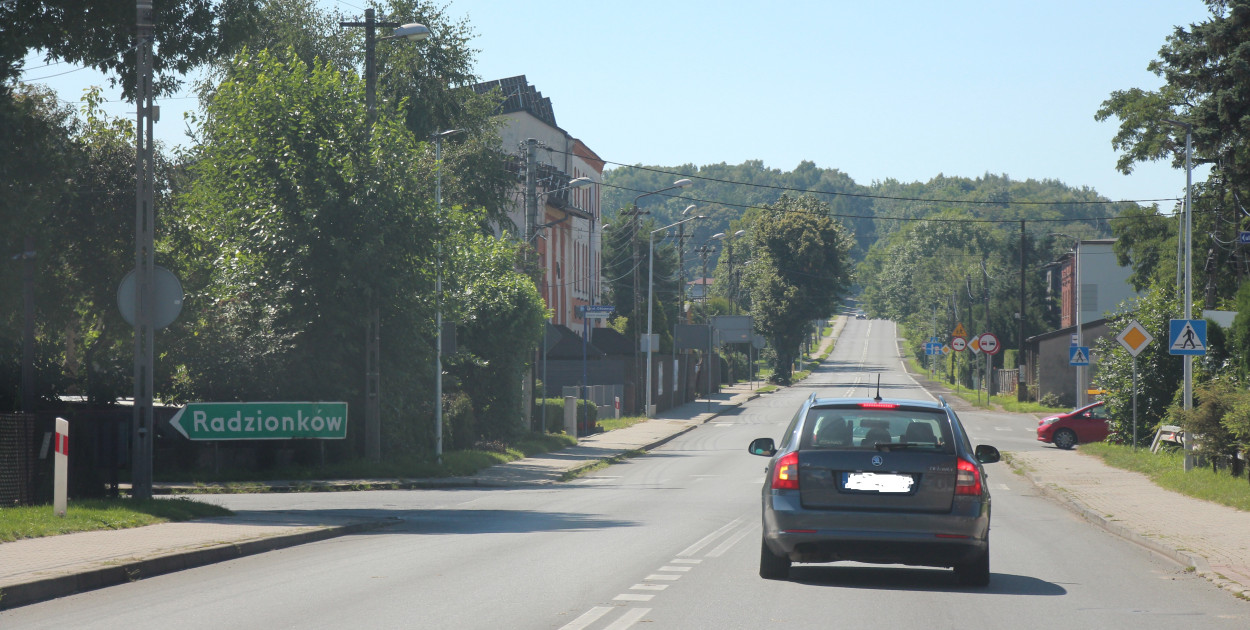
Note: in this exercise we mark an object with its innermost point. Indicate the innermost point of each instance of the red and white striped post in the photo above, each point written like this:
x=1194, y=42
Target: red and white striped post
x=60, y=464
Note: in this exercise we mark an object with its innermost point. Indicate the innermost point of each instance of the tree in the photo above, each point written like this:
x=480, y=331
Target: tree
x=429, y=82
x=501, y=315
x=800, y=269
x=1159, y=374
x=70, y=187
x=101, y=34
x=1205, y=86
x=299, y=221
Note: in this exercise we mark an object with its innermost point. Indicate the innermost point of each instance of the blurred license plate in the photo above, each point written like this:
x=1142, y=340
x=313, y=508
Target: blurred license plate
x=877, y=482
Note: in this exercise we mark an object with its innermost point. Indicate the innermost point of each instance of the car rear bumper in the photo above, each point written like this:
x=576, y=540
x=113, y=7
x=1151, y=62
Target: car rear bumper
x=925, y=539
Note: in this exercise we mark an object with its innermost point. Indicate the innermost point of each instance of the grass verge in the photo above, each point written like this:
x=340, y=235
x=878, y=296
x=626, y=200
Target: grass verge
x=612, y=424
x=1167, y=469
x=84, y=515
x=374, y=475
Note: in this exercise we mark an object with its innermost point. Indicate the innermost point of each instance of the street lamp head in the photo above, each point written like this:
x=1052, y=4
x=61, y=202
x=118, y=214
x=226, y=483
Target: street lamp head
x=718, y=236
x=682, y=183
x=687, y=210
x=739, y=233
x=580, y=182
x=412, y=32
x=444, y=134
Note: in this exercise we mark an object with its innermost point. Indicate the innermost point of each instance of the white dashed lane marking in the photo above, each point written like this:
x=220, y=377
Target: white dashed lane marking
x=724, y=538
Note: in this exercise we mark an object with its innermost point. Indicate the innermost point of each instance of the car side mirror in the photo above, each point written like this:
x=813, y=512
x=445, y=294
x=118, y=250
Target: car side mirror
x=987, y=454
x=762, y=446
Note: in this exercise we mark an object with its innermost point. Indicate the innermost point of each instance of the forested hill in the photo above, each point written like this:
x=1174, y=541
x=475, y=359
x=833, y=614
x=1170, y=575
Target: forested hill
x=723, y=192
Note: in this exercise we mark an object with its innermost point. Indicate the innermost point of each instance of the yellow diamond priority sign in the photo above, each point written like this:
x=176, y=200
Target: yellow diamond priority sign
x=1134, y=338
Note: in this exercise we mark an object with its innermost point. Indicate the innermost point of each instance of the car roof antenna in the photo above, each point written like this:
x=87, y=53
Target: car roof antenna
x=878, y=396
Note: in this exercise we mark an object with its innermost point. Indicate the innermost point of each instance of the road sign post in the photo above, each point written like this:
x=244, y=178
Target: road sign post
x=1134, y=338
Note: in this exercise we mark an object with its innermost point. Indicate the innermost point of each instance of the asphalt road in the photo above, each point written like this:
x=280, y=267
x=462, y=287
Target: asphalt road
x=668, y=540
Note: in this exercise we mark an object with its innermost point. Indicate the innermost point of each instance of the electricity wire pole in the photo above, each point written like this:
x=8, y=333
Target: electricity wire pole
x=143, y=432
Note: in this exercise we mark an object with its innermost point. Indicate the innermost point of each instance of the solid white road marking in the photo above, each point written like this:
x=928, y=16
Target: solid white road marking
x=587, y=618
x=669, y=577
x=628, y=619
x=668, y=568
x=707, y=540
x=648, y=587
x=632, y=597
x=723, y=547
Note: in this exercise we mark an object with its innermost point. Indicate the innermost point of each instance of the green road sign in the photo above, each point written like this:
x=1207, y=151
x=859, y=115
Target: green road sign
x=262, y=421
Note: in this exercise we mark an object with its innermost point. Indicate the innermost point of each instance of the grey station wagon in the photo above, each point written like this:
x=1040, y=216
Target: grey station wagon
x=877, y=481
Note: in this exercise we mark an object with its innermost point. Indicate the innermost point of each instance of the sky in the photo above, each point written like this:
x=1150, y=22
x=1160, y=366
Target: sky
x=904, y=90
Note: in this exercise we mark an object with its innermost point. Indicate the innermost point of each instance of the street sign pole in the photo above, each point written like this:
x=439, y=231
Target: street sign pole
x=1134, y=402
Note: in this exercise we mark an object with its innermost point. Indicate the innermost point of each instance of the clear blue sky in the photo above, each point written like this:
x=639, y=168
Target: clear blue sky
x=905, y=90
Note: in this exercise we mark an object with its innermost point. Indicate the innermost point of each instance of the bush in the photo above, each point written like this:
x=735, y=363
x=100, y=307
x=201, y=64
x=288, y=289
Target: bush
x=1214, y=401
x=459, y=421
x=587, y=413
x=1050, y=399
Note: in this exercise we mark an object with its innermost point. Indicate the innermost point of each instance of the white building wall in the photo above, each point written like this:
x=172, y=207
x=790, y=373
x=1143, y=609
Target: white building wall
x=1105, y=285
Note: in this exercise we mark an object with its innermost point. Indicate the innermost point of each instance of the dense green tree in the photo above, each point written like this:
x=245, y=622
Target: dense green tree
x=300, y=220
x=427, y=81
x=101, y=34
x=800, y=269
x=71, y=188
x=1206, y=86
x=623, y=239
x=1159, y=374
x=500, y=315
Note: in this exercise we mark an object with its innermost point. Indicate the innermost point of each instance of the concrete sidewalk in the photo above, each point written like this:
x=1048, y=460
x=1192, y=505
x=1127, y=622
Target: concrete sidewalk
x=39, y=569
x=1212, y=538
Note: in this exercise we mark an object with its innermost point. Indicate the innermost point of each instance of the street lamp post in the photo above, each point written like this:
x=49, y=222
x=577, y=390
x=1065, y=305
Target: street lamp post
x=633, y=213
x=373, y=350
x=650, y=295
x=438, y=292
x=1189, y=298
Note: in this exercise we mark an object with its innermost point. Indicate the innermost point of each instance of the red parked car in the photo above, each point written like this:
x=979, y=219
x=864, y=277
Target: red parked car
x=1087, y=424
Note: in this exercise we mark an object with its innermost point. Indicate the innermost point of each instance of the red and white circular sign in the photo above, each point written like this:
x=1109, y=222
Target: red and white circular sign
x=989, y=343
x=959, y=344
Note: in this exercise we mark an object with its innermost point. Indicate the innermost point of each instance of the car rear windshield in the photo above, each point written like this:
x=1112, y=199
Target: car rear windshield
x=854, y=428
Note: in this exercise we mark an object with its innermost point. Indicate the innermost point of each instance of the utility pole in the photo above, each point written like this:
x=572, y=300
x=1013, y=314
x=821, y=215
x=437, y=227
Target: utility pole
x=531, y=229
x=1020, y=389
x=28, y=324
x=989, y=358
x=639, y=388
x=143, y=431
x=704, y=251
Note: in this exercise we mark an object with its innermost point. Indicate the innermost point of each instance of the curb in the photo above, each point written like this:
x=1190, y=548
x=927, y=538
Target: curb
x=52, y=588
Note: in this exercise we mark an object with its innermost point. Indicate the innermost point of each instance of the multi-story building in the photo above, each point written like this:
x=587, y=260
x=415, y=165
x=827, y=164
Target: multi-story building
x=567, y=235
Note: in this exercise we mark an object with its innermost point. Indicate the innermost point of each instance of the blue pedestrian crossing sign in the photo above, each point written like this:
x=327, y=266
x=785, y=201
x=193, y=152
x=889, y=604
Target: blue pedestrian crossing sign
x=1187, y=337
x=1078, y=355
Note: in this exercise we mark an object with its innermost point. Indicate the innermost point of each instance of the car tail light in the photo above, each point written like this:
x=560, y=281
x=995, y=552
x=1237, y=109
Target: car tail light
x=967, y=478
x=878, y=405
x=786, y=472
